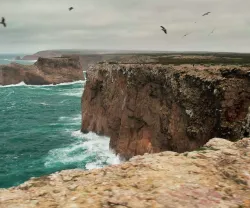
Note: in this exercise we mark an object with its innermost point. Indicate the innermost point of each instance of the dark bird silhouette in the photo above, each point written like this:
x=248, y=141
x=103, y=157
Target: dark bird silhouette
x=212, y=32
x=71, y=8
x=3, y=22
x=186, y=35
x=207, y=13
x=164, y=30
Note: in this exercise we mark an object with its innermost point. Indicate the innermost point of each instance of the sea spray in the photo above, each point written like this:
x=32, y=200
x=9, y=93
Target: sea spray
x=87, y=152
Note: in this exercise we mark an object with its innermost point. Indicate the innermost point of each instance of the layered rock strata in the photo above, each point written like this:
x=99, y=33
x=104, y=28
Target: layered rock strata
x=148, y=108
x=217, y=175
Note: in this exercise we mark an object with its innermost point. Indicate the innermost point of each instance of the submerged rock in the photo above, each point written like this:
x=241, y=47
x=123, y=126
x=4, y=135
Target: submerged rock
x=217, y=175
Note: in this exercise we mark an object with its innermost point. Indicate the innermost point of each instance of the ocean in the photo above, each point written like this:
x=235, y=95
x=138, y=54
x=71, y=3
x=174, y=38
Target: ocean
x=40, y=132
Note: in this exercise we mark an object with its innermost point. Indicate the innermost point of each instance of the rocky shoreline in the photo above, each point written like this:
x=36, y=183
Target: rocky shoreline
x=217, y=175
x=44, y=71
x=147, y=105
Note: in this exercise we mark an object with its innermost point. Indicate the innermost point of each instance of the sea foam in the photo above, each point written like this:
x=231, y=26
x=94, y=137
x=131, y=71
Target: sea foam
x=88, y=152
x=50, y=85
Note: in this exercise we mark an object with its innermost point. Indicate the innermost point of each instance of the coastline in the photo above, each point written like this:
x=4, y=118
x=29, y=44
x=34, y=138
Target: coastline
x=188, y=87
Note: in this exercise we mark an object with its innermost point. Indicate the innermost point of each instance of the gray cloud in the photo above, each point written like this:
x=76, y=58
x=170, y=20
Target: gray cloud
x=132, y=24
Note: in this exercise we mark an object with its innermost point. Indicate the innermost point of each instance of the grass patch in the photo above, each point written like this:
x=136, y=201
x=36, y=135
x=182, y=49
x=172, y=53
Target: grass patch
x=203, y=149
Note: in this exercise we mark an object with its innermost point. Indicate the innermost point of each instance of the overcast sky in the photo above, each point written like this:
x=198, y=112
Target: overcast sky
x=34, y=25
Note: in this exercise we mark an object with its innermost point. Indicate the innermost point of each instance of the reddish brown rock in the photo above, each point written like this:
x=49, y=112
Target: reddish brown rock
x=153, y=107
x=44, y=71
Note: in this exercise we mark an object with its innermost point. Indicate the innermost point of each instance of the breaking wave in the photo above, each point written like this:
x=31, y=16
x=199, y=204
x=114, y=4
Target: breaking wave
x=90, y=151
x=14, y=85
x=50, y=85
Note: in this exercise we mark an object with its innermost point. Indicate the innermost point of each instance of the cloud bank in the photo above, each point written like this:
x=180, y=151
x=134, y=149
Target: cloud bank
x=132, y=25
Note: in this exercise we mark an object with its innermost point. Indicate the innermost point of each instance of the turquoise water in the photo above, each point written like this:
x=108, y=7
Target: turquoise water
x=39, y=133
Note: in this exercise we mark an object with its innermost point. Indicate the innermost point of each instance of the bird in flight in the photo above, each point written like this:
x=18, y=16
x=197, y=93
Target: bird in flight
x=207, y=13
x=212, y=32
x=164, y=29
x=185, y=35
x=71, y=8
x=3, y=22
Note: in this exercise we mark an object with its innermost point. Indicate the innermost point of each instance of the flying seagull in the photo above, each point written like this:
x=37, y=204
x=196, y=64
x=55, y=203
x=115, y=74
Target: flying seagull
x=206, y=14
x=212, y=32
x=3, y=22
x=185, y=35
x=164, y=30
x=71, y=8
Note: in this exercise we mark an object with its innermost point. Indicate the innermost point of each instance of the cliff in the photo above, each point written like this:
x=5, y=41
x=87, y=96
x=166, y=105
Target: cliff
x=44, y=71
x=43, y=54
x=217, y=175
x=149, y=108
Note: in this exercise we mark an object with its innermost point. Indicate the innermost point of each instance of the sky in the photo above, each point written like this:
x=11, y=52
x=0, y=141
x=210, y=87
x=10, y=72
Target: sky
x=125, y=25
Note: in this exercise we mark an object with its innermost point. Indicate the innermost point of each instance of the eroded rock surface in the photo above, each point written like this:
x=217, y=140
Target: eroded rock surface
x=217, y=175
x=44, y=71
x=154, y=108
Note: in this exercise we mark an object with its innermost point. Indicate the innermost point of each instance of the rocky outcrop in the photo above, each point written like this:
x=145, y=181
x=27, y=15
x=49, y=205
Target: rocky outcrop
x=44, y=71
x=43, y=54
x=217, y=175
x=30, y=57
x=148, y=108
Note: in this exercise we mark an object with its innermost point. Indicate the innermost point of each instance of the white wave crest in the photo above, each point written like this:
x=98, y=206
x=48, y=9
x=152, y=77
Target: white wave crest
x=50, y=85
x=74, y=92
x=70, y=83
x=90, y=151
x=69, y=119
x=14, y=85
x=44, y=103
x=72, y=121
x=61, y=84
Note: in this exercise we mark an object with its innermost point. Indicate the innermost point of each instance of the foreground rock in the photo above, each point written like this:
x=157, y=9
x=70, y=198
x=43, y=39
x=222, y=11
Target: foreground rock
x=218, y=175
x=44, y=71
x=153, y=108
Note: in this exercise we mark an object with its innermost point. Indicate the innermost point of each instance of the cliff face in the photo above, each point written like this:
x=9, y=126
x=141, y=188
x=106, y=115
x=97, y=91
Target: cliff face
x=44, y=71
x=216, y=176
x=58, y=70
x=10, y=75
x=153, y=108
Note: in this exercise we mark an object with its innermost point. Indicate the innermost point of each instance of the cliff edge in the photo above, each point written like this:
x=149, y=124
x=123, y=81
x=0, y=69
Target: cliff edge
x=44, y=71
x=217, y=175
x=149, y=108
